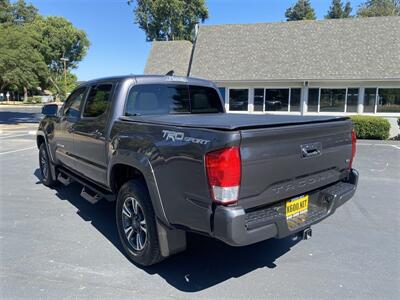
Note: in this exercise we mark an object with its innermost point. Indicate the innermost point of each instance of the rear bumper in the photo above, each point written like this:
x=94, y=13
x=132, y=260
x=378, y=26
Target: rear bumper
x=236, y=227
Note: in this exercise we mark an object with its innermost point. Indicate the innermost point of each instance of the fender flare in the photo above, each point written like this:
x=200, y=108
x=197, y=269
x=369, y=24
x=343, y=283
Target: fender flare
x=143, y=165
x=52, y=167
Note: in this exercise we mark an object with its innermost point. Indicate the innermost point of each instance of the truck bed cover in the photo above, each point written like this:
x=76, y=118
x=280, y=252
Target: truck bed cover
x=230, y=121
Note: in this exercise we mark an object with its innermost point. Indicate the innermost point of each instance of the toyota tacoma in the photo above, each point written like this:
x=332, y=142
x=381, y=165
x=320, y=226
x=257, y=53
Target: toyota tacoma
x=174, y=161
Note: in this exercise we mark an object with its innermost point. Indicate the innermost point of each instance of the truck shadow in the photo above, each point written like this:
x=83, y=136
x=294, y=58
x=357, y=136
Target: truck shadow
x=205, y=263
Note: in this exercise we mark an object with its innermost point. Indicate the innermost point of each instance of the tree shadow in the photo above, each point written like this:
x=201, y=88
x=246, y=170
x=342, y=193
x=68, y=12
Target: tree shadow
x=13, y=117
x=205, y=263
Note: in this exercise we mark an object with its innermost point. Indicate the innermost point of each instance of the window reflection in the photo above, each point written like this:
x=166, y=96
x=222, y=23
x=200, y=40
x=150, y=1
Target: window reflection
x=258, y=99
x=369, y=100
x=388, y=100
x=276, y=99
x=238, y=99
x=332, y=100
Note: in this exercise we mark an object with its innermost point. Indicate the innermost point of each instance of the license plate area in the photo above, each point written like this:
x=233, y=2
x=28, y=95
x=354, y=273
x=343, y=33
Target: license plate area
x=296, y=207
x=286, y=213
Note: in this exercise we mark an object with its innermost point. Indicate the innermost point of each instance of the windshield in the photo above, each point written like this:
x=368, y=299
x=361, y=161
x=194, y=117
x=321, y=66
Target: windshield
x=161, y=99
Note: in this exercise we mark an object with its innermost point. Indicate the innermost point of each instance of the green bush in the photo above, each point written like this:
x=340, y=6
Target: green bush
x=368, y=127
x=34, y=100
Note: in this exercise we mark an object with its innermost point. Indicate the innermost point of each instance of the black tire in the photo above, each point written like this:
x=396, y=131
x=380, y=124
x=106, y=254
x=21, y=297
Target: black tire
x=44, y=163
x=142, y=250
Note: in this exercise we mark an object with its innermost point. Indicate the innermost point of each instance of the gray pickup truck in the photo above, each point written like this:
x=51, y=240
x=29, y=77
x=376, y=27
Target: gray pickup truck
x=164, y=149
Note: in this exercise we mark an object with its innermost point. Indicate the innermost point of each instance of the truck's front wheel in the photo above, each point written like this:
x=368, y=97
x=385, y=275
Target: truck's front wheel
x=44, y=163
x=136, y=224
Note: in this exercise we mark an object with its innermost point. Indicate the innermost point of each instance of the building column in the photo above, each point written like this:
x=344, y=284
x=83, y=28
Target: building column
x=226, y=98
x=304, y=99
x=250, y=107
x=360, y=103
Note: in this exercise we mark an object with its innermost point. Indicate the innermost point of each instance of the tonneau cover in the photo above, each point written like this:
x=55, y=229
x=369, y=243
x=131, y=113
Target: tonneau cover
x=232, y=121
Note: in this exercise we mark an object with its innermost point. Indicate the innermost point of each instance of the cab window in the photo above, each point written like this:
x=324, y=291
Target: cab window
x=73, y=103
x=163, y=99
x=97, y=100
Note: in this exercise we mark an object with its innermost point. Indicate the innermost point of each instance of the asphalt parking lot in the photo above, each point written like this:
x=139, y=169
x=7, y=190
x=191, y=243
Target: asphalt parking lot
x=54, y=244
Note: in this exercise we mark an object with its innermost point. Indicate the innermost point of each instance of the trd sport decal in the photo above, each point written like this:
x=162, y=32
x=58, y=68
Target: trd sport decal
x=176, y=136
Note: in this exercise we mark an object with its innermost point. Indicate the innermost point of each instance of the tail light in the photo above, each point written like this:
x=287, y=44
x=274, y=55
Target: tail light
x=353, y=148
x=224, y=172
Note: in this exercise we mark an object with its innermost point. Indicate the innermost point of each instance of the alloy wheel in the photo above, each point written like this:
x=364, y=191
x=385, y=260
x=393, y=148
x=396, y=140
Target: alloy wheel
x=44, y=164
x=134, y=224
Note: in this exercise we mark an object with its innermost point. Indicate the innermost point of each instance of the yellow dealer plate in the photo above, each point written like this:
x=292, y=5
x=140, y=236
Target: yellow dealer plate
x=297, y=206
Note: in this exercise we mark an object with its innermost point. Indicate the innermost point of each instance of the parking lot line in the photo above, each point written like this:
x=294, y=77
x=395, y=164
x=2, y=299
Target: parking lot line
x=17, y=150
x=12, y=136
x=3, y=137
x=387, y=145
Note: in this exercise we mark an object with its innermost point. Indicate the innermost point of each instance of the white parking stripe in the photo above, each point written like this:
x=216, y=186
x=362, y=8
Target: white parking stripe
x=387, y=145
x=18, y=150
x=3, y=134
x=13, y=136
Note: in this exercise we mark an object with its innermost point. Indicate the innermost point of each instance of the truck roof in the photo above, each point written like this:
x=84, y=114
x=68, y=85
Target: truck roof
x=146, y=79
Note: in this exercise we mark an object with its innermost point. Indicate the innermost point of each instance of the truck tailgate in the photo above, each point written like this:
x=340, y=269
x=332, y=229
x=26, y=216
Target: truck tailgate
x=283, y=162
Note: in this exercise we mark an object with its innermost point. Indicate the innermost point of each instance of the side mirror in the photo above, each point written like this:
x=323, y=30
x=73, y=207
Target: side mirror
x=50, y=110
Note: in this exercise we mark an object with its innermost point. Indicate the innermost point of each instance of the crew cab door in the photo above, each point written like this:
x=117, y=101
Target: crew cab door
x=63, y=133
x=90, y=133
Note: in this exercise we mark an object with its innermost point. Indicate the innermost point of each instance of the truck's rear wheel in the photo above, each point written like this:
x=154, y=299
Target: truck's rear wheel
x=44, y=163
x=136, y=224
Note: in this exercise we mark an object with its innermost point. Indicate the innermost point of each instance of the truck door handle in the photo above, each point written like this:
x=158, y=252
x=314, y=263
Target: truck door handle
x=310, y=150
x=97, y=134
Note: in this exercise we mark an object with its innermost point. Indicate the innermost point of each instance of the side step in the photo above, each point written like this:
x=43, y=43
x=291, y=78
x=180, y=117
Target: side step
x=65, y=180
x=90, y=198
x=90, y=191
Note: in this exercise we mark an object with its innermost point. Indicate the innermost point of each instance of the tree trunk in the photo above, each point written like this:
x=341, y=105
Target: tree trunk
x=25, y=94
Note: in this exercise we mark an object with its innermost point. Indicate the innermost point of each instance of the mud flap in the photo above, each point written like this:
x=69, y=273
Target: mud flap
x=171, y=241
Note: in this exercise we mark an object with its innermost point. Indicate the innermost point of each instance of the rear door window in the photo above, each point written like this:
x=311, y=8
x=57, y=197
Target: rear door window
x=162, y=99
x=204, y=100
x=97, y=100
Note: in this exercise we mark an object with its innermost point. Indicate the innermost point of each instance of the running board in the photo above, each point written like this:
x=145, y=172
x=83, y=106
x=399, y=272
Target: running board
x=93, y=199
x=90, y=192
x=64, y=180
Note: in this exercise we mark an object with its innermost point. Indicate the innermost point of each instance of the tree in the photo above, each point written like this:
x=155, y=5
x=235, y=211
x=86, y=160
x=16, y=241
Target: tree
x=60, y=87
x=302, y=10
x=169, y=19
x=378, y=8
x=31, y=48
x=17, y=13
x=21, y=64
x=338, y=10
x=60, y=39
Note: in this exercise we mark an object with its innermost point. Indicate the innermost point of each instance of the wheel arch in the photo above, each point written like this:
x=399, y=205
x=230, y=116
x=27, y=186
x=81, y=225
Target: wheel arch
x=134, y=166
x=40, y=138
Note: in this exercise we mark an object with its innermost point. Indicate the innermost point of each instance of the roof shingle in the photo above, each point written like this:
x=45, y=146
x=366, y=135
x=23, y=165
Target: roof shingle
x=167, y=56
x=345, y=49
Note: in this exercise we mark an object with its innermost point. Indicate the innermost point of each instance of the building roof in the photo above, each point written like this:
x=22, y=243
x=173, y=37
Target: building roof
x=359, y=48
x=344, y=49
x=167, y=56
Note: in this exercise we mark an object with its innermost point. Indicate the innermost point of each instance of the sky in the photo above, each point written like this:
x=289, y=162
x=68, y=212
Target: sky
x=119, y=47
